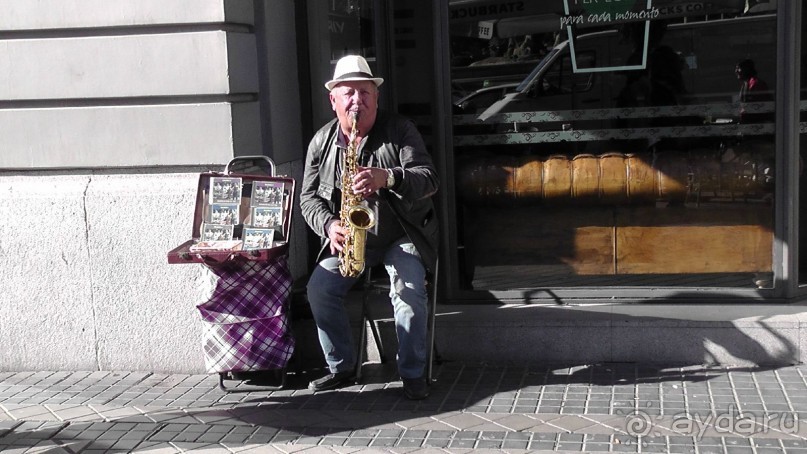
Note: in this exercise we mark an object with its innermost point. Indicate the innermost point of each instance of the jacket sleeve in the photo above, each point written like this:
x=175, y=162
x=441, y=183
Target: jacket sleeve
x=316, y=210
x=416, y=178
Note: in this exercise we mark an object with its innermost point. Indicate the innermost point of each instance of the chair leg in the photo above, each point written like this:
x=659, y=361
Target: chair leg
x=433, y=354
x=379, y=346
x=362, y=346
x=365, y=320
x=432, y=350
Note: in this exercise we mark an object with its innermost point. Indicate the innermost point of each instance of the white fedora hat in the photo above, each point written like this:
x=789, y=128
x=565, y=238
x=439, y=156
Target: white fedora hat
x=352, y=67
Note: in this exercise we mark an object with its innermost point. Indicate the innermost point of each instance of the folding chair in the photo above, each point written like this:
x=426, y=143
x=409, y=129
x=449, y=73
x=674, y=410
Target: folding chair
x=375, y=286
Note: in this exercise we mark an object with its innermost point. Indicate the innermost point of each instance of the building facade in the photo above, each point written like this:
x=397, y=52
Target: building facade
x=618, y=184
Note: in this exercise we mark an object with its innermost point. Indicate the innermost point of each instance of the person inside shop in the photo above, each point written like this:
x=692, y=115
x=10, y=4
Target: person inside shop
x=396, y=178
x=757, y=148
x=752, y=89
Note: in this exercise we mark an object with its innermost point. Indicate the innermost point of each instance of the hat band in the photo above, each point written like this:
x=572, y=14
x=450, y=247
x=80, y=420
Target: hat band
x=354, y=75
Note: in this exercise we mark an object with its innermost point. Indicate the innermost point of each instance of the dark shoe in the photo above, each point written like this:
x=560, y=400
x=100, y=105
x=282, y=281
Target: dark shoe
x=415, y=388
x=332, y=381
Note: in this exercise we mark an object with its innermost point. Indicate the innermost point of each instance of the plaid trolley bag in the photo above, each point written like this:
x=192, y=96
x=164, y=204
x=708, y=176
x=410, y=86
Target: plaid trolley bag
x=246, y=319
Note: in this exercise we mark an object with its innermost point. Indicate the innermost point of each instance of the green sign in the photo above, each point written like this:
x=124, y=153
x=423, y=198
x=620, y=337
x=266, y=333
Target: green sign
x=580, y=13
x=598, y=7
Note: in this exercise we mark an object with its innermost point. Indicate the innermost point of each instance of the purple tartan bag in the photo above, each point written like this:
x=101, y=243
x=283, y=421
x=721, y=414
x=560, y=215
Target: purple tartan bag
x=246, y=319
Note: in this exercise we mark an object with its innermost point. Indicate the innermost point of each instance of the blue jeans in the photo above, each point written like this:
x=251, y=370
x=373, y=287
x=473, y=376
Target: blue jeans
x=326, y=292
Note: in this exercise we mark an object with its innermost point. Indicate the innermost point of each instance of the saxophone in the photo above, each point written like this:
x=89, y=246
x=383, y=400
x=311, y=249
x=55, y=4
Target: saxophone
x=354, y=216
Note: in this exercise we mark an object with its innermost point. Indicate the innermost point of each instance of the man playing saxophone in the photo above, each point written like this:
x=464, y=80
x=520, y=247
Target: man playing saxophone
x=394, y=178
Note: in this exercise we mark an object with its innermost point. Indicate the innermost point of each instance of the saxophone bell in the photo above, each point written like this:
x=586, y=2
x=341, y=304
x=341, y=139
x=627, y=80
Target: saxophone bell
x=361, y=217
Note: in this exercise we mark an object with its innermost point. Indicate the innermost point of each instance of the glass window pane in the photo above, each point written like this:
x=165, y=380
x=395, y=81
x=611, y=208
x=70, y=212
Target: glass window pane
x=638, y=152
x=803, y=155
x=336, y=28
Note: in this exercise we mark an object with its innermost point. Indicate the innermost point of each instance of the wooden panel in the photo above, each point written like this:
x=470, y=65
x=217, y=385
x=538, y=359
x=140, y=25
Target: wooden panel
x=557, y=178
x=584, y=179
x=567, y=240
x=623, y=241
x=694, y=240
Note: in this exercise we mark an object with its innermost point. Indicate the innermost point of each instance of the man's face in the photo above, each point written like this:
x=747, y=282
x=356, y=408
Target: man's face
x=355, y=96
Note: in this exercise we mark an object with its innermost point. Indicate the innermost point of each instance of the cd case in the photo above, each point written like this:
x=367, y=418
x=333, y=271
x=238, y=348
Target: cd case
x=238, y=215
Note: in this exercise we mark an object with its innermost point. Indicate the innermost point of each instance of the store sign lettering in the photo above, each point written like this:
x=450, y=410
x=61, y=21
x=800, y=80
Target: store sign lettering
x=598, y=7
x=336, y=27
x=485, y=29
x=687, y=8
x=602, y=12
x=605, y=17
x=487, y=10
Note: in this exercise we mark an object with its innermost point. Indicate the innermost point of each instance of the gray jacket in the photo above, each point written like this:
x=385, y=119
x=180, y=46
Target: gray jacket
x=393, y=143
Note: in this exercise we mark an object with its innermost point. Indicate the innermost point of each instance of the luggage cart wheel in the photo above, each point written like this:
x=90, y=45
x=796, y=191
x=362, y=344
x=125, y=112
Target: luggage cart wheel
x=257, y=381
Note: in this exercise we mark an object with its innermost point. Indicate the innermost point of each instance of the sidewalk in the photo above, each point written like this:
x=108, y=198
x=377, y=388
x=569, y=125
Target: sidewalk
x=473, y=407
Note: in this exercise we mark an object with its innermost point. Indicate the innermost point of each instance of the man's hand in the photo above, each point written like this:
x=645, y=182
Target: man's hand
x=368, y=180
x=336, y=235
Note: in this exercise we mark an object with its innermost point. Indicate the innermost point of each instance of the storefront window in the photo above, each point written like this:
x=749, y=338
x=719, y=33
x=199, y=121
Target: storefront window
x=802, y=262
x=608, y=147
x=337, y=28
x=350, y=28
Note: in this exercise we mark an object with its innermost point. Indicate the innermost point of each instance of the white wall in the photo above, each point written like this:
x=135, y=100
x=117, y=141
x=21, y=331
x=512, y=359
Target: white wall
x=122, y=135
x=87, y=285
x=73, y=14
x=108, y=112
x=97, y=84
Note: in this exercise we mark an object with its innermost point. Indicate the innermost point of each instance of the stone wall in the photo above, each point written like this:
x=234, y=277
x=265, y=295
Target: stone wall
x=108, y=112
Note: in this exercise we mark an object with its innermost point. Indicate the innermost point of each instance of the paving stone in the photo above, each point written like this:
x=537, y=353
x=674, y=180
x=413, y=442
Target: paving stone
x=459, y=443
x=333, y=441
x=494, y=407
x=409, y=443
x=739, y=450
x=542, y=445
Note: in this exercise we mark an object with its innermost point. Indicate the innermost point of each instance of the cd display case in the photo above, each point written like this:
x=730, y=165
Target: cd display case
x=238, y=212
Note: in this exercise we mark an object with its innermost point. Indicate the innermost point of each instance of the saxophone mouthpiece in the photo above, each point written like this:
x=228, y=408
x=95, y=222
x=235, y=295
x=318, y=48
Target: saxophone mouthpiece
x=354, y=120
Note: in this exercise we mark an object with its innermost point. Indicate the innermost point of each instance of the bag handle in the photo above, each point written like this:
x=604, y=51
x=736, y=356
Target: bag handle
x=247, y=161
